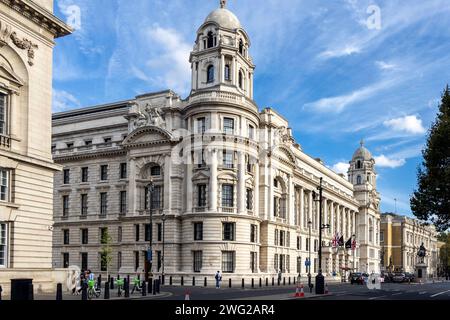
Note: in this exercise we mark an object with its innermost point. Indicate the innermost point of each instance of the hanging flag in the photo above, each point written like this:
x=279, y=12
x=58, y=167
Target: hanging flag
x=354, y=244
x=348, y=244
x=341, y=241
x=336, y=240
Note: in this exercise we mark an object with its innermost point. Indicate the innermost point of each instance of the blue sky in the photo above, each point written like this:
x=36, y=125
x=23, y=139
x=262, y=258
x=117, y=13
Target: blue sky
x=332, y=68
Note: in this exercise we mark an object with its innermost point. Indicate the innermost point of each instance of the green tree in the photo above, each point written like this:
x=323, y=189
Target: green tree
x=431, y=202
x=106, y=251
x=444, y=253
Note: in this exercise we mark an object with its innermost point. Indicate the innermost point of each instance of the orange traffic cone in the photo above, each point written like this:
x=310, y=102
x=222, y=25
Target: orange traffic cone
x=301, y=293
x=187, y=295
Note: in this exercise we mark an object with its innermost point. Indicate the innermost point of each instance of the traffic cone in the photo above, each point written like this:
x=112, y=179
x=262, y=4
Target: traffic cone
x=187, y=295
x=301, y=293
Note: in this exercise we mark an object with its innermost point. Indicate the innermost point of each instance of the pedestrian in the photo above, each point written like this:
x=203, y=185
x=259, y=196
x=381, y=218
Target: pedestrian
x=218, y=278
x=279, y=275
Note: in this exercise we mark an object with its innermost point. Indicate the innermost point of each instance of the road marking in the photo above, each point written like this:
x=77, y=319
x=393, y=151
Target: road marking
x=438, y=294
x=373, y=298
x=397, y=294
x=423, y=292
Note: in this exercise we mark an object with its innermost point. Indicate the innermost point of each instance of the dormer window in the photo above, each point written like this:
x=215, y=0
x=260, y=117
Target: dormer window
x=241, y=47
x=210, y=40
x=210, y=74
x=227, y=73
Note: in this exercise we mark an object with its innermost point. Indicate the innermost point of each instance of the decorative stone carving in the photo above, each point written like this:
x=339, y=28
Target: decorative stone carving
x=147, y=116
x=5, y=32
x=282, y=136
x=25, y=44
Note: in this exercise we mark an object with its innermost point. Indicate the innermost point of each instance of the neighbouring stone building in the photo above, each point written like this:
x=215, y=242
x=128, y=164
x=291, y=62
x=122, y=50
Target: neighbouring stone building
x=232, y=189
x=27, y=33
x=401, y=238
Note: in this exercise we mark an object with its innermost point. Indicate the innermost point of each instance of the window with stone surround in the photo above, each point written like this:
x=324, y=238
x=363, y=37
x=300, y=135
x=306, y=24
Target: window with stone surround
x=228, y=125
x=198, y=260
x=228, y=261
x=198, y=231
x=123, y=171
x=104, y=172
x=65, y=201
x=227, y=73
x=229, y=231
x=84, y=236
x=84, y=174
x=3, y=114
x=66, y=262
x=254, y=262
x=227, y=196
x=123, y=202
x=253, y=233
x=210, y=74
x=66, y=176
x=84, y=205
x=66, y=236
x=201, y=193
x=103, y=203
x=3, y=245
x=5, y=184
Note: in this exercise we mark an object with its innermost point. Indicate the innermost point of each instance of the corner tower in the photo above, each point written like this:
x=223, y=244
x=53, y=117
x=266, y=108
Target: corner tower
x=220, y=58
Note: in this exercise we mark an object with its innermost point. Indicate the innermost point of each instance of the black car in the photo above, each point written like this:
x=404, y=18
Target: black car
x=356, y=277
x=409, y=277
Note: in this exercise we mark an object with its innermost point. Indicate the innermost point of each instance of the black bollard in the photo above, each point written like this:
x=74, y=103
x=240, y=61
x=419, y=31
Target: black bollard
x=182, y=281
x=59, y=296
x=170, y=280
x=278, y=281
x=206, y=282
x=253, y=283
x=99, y=281
x=1, y=289
x=229, y=283
x=150, y=286
x=243, y=283
x=158, y=286
x=267, y=282
x=193, y=281
x=260, y=282
x=144, y=289
x=284, y=281
x=112, y=283
x=126, y=285
x=84, y=295
x=107, y=290
x=154, y=287
x=163, y=280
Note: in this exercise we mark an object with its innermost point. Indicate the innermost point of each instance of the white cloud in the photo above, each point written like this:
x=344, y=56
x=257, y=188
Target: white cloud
x=386, y=162
x=408, y=124
x=342, y=52
x=385, y=66
x=63, y=100
x=341, y=167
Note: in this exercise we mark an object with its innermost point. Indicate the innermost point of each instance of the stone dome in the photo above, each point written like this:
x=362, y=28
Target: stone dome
x=363, y=153
x=224, y=18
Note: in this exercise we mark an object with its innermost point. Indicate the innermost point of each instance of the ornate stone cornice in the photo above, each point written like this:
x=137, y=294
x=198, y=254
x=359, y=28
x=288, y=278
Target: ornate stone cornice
x=40, y=16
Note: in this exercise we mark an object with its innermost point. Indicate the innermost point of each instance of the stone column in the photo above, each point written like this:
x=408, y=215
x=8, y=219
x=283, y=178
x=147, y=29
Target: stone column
x=325, y=214
x=271, y=194
x=310, y=208
x=256, y=192
x=235, y=72
x=291, y=201
x=213, y=182
x=222, y=68
x=338, y=221
x=189, y=186
x=302, y=208
x=167, y=184
x=241, y=183
x=333, y=231
x=132, y=192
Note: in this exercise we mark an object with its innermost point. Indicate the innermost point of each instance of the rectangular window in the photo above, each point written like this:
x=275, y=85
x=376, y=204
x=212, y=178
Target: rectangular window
x=228, y=231
x=136, y=232
x=103, y=265
x=275, y=262
x=249, y=199
x=228, y=261
x=228, y=125
x=84, y=236
x=84, y=174
x=84, y=261
x=228, y=161
x=65, y=206
x=84, y=204
x=251, y=132
x=156, y=197
x=299, y=243
x=299, y=265
x=201, y=125
x=282, y=238
x=3, y=113
x=3, y=244
x=315, y=245
x=254, y=262
x=123, y=202
x=148, y=232
x=253, y=233
x=198, y=261
x=288, y=239
x=136, y=260
x=201, y=190
x=155, y=171
x=66, y=262
x=104, y=172
x=276, y=237
x=198, y=231
x=66, y=176
x=119, y=260
x=159, y=230
x=103, y=203
x=119, y=234
x=228, y=196
x=66, y=237
x=123, y=171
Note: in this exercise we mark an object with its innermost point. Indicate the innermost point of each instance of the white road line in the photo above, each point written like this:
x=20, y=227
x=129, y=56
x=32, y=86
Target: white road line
x=423, y=292
x=438, y=294
x=373, y=298
x=397, y=294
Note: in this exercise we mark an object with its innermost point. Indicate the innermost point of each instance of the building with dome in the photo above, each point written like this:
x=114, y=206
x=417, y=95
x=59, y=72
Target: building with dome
x=211, y=182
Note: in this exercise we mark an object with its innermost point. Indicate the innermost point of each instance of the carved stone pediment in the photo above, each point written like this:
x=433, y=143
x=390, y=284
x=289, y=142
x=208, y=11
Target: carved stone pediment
x=9, y=79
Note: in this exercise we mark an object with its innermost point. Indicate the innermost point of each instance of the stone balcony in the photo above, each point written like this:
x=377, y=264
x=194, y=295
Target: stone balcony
x=5, y=142
x=221, y=97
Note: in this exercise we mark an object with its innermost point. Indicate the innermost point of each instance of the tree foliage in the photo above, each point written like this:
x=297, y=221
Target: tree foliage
x=106, y=250
x=431, y=202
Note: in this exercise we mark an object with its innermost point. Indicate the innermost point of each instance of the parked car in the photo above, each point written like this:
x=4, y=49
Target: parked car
x=398, y=277
x=409, y=277
x=365, y=277
x=356, y=277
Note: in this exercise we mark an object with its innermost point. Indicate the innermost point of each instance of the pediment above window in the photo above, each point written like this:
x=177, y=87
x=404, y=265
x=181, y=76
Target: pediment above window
x=149, y=135
x=9, y=80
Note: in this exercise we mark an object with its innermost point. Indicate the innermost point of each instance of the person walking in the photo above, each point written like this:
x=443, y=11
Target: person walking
x=279, y=275
x=218, y=278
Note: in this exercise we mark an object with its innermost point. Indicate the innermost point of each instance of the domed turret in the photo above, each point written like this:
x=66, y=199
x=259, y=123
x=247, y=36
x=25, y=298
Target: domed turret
x=362, y=153
x=224, y=18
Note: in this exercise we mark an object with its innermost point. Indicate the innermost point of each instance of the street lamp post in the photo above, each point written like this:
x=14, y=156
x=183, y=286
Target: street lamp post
x=309, y=259
x=148, y=272
x=163, y=245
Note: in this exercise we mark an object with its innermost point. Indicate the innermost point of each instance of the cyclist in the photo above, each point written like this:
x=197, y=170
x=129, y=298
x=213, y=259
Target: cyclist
x=136, y=285
x=92, y=290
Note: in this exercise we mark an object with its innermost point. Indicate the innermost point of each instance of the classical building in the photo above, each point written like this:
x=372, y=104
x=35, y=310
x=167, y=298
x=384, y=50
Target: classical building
x=232, y=190
x=27, y=33
x=401, y=238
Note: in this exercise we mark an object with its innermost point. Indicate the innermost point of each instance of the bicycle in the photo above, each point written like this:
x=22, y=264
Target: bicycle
x=120, y=284
x=93, y=291
x=136, y=285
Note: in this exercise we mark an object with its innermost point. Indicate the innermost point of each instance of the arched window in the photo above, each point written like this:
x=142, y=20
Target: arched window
x=210, y=74
x=210, y=40
x=241, y=47
x=241, y=80
x=358, y=164
x=227, y=73
x=359, y=180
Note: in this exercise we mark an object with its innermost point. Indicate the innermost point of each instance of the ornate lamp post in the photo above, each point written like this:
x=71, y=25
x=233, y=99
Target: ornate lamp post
x=163, y=244
x=309, y=259
x=148, y=272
